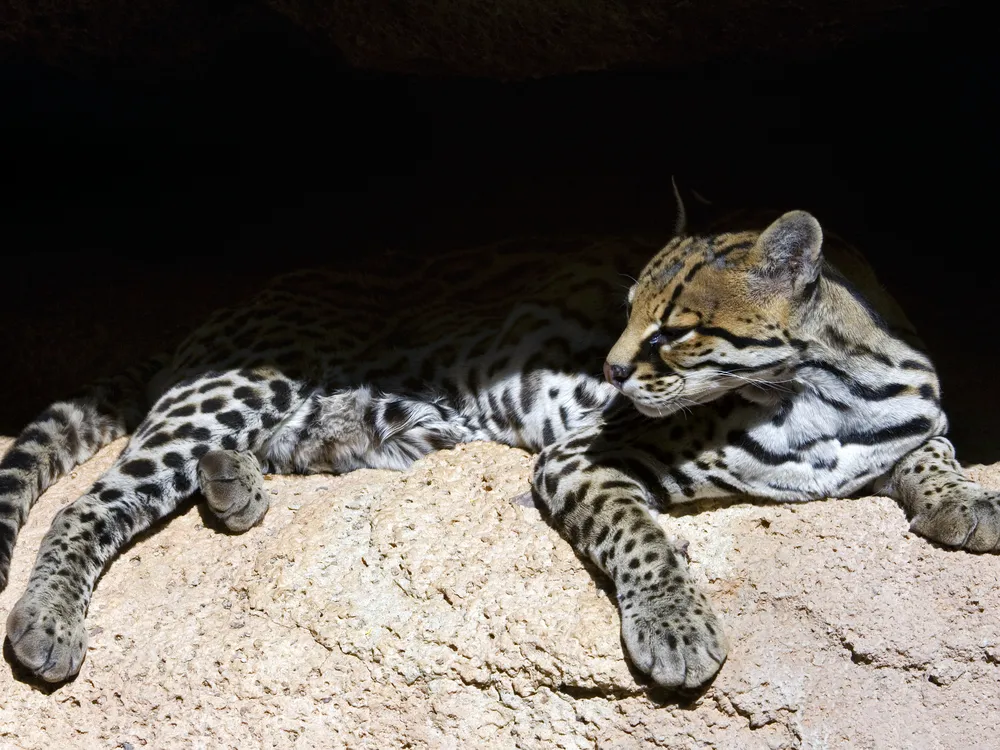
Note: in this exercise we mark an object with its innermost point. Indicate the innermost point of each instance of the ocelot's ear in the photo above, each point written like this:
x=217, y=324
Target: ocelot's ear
x=789, y=254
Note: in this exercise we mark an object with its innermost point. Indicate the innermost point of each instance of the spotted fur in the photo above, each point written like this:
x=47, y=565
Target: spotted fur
x=748, y=365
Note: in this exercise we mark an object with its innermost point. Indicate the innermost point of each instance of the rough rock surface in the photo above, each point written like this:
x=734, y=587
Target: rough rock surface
x=501, y=39
x=523, y=38
x=427, y=610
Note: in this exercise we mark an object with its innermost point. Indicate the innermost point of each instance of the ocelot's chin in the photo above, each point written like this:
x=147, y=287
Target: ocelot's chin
x=656, y=410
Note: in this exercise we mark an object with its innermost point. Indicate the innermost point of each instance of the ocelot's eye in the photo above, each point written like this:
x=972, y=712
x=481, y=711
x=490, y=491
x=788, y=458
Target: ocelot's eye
x=669, y=335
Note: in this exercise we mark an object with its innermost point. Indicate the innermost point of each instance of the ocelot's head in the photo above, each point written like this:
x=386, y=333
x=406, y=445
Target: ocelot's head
x=716, y=312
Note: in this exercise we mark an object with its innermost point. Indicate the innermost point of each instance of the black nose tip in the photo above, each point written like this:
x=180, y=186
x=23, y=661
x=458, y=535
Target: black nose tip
x=617, y=374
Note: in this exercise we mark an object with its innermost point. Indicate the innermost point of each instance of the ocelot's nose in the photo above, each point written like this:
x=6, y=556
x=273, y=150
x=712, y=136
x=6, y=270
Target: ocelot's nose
x=617, y=374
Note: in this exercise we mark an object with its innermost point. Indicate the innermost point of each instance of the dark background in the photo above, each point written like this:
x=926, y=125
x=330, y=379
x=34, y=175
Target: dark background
x=131, y=208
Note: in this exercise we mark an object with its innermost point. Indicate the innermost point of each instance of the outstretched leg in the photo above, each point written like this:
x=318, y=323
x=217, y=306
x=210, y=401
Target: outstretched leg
x=600, y=505
x=597, y=484
x=63, y=436
x=233, y=484
x=942, y=503
x=46, y=625
x=157, y=470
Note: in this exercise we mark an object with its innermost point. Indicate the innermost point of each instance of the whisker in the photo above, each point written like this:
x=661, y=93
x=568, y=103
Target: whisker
x=630, y=278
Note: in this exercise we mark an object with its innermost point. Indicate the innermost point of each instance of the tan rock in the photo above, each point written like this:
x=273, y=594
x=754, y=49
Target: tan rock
x=425, y=609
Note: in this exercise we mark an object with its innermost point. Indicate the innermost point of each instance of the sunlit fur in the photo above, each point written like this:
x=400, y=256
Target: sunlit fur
x=721, y=311
x=818, y=389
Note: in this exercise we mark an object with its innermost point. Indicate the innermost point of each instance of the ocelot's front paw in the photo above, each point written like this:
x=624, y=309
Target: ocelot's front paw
x=672, y=634
x=970, y=521
x=48, y=639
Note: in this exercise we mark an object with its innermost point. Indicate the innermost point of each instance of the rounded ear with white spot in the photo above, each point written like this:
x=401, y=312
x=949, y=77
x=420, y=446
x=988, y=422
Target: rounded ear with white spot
x=790, y=252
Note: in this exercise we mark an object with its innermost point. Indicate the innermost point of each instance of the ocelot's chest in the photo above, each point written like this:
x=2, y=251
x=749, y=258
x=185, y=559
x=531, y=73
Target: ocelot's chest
x=803, y=441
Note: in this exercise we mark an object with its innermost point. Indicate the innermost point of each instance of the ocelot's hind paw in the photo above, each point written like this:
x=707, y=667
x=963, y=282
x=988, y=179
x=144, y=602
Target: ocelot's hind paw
x=233, y=484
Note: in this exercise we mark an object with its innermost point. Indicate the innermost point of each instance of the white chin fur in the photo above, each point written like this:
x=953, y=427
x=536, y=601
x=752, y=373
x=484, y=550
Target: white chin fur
x=652, y=411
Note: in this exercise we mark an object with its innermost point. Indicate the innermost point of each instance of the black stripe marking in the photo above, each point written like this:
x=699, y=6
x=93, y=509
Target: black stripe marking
x=742, y=245
x=496, y=413
x=740, y=342
x=673, y=297
x=53, y=415
x=724, y=485
x=781, y=413
x=912, y=428
x=634, y=468
x=683, y=481
x=694, y=271
x=19, y=459
x=138, y=467
x=511, y=409
x=740, y=439
x=838, y=405
x=734, y=368
x=584, y=397
x=527, y=393
x=866, y=392
x=156, y=440
x=912, y=364
x=564, y=418
x=34, y=435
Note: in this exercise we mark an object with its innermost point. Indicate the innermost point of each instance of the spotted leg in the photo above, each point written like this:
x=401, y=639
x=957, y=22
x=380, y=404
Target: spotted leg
x=668, y=626
x=63, y=436
x=943, y=504
x=233, y=485
x=157, y=470
x=46, y=625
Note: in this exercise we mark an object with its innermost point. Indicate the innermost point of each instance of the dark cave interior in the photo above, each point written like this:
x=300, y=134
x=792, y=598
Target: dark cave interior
x=133, y=207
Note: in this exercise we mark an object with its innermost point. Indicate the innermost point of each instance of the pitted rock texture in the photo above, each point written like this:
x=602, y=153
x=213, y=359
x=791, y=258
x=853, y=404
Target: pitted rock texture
x=426, y=609
x=499, y=39
x=525, y=38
